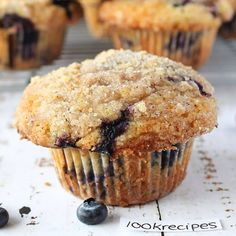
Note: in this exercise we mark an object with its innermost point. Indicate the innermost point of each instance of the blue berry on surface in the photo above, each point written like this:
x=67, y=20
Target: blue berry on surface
x=91, y=212
x=4, y=217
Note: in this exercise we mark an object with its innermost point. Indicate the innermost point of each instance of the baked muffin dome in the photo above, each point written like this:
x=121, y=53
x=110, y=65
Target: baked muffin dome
x=32, y=32
x=161, y=14
x=33, y=10
x=120, y=99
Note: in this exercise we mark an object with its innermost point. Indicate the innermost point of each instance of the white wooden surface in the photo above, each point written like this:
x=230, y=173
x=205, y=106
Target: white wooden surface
x=209, y=190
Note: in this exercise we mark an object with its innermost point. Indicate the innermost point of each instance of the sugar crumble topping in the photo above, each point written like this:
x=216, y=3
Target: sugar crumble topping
x=75, y=105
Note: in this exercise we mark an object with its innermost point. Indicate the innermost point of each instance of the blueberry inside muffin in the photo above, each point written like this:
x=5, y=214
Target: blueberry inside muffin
x=69, y=5
x=29, y=38
x=26, y=36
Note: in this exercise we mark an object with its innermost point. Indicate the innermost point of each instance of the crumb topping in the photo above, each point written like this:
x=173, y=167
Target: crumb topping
x=166, y=15
x=120, y=98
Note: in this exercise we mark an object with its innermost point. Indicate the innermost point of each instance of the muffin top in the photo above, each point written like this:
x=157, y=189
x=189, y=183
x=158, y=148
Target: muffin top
x=119, y=100
x=33, y=10
x=186, y=15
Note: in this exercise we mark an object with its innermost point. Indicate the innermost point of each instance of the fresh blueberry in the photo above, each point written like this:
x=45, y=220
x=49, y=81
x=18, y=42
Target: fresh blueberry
x=4, y=217
x=91, y=212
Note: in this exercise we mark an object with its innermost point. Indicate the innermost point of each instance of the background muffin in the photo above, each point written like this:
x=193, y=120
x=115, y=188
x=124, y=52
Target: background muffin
x=91, y=11
x=181, y=30
x=120, y=127
x=228, y=29
x=31, y=33
x=72, y=8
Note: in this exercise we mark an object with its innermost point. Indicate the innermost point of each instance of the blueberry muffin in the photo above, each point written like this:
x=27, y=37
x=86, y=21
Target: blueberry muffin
x=72, y=9
x=31, y=32
x=181, y=30
x=91, y=10
x=120, y=127
x=228, y=29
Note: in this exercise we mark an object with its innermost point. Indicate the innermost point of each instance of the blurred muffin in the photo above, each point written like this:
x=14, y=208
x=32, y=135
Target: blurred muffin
x=181, y=30
x=72, y=8
x=228, y=29
x=91, y=10
x=31, y=33
x=121, y=126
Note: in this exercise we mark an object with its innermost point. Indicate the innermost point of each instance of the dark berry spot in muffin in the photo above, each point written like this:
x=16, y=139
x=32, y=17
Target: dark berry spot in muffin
x=179, y=3
x=155, y=158
x=229, y=27
x=99, y=178
x=91, y=212
x=66, y=5
x=110, y=131
x=11, y=50
x=4, y=217
x=169, y=157
x=64, y=141
x=173, y=157
x=210, y=4
x=90, y=176
x=214, y=11
x=24, y=41
x=180, y=150
x=201, y=89
x=198, y=84
x=183, y=41
x=81, y=176
x=165, y=159
x=126, y=43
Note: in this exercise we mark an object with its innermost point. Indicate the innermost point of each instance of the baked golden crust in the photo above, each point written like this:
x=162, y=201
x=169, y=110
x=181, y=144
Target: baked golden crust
x=121, y=98
x=41, y=12
x=168, y=15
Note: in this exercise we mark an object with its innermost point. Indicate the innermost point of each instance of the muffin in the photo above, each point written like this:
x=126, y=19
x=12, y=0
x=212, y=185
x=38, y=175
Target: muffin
x=72, y=9
x=228, y=29
x=120, y=127
x=28, y=37
x=181, y=30
x=91, y=10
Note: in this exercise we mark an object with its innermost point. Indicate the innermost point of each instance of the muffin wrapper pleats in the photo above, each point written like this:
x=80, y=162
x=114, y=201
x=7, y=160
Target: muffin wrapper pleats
x=91, y=11
x=125, y=179
x=30, y=48
x=190, y=48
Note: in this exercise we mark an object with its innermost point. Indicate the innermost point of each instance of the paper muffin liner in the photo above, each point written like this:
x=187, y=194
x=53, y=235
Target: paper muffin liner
x=25, y=48
x=123, y=180
x=228, y=29
x=190, y=48
x=91, y=10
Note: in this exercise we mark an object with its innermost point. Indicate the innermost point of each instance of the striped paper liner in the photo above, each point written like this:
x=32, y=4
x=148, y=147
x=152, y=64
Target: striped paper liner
x=122, y=180
x=190, y=48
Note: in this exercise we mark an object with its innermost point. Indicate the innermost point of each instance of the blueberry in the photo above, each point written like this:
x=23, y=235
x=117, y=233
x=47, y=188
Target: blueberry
x=4, y=217
x=91, y=212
